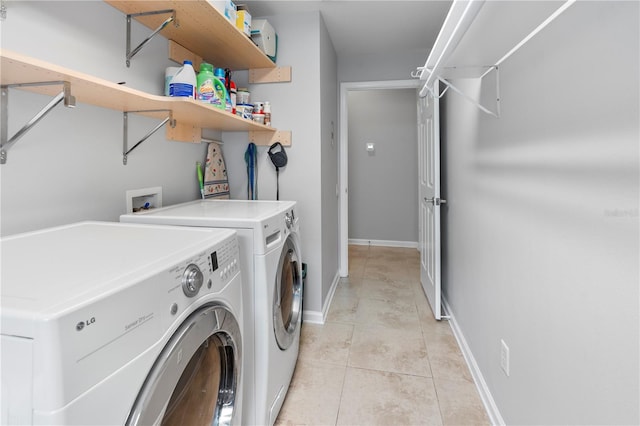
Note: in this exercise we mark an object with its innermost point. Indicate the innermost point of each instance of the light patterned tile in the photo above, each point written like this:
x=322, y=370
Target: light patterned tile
x=400, y=314
x=313, y=397
x=445, y=358
x=358, y=251
x=381, y=398
x=390, y=271
x=392, y=253
x=328, y=343
x=387, y=349
x=343, y=309
x=460, y=403
x=385, y=290
x=383, y=306
x=348, y=287
x=357, y=267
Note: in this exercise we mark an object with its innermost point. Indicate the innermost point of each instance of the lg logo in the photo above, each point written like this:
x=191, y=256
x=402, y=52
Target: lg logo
x=82, y=324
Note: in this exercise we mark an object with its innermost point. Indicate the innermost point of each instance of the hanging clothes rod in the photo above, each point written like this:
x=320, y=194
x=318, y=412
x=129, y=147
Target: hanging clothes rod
x=456, y=24
x=211, y=140
x=539, y=28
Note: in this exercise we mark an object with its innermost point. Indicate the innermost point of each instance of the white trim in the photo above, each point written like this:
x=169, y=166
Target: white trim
x=485, y=394
x=313, y=317
x=383, y=243
x=316, y=317
x=343, y=174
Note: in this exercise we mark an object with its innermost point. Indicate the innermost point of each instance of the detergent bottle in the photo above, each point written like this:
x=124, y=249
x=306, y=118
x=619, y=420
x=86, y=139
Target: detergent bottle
x=184, y=82
x=206, y=91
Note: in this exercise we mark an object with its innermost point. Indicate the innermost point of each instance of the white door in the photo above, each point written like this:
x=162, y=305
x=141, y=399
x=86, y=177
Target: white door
x=429, y=192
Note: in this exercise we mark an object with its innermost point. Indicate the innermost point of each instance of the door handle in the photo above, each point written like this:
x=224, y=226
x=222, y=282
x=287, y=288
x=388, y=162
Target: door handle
x=435, y=201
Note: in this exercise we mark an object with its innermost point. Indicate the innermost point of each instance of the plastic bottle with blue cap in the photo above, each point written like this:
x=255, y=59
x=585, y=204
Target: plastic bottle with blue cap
x=184, y=82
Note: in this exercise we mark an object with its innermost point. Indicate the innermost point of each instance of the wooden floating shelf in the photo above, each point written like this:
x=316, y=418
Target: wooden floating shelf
x=17, y=69
x=201, y=29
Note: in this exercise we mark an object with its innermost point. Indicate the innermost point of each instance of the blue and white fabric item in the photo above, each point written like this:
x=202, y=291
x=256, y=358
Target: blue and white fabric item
x=216, y=182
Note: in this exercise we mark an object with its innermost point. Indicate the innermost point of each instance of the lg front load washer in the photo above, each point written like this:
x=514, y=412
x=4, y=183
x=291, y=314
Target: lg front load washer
x=109, y=323
x=271, y=263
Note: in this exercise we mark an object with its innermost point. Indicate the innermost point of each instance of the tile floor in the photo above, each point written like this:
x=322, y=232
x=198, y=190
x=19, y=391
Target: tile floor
x=381, y=358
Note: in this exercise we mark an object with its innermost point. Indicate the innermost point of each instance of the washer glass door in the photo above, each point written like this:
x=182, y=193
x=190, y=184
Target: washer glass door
x=287, y=300
x=194, y=381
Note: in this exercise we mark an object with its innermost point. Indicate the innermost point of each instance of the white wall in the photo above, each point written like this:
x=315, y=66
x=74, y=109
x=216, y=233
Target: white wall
x=541, y=226
x=296, y=106
x=383, y=184
x=69, y=166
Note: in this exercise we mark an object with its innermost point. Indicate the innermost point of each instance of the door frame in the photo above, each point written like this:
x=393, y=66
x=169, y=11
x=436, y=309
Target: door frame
x=343, y=153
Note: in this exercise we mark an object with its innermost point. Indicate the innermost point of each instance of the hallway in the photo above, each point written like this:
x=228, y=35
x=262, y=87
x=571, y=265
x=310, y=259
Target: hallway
x=381, y=358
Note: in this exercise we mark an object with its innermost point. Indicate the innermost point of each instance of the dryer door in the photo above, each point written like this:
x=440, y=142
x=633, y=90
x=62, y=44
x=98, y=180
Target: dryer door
x=287, y=300
x=195, y=380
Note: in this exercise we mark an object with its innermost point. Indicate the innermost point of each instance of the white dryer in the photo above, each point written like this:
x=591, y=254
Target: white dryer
x=109, y=323
x=271, y=263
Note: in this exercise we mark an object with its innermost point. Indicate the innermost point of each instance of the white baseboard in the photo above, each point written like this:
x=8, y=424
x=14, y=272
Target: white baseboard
x=483, y=389
x=316, y=317
x=383, y=243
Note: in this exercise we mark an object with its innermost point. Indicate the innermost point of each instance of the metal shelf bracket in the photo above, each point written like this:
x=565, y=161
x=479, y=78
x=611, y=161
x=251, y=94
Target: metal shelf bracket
x=125, y=133
x=131, y=53
x=482, y=108
x=5, y=142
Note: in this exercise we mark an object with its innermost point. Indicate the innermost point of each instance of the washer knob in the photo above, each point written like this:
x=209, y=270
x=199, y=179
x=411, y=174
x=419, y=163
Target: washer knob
x=192, y=280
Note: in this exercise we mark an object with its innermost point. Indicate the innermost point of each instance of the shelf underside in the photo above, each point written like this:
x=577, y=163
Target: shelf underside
x=203, y=30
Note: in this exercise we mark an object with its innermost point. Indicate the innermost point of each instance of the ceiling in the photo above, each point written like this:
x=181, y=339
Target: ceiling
x=359, y=27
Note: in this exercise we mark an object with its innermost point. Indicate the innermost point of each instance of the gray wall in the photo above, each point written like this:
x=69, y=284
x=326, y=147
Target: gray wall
x=383, y=184
x=396, y=65
x=329, y=154
x=296, y=106
x=541, y=227
x=69, y=166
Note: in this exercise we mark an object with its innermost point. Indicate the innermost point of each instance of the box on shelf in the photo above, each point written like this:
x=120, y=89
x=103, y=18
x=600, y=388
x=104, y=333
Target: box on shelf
x=226, y=7
x=263, y=34
x=243, y=19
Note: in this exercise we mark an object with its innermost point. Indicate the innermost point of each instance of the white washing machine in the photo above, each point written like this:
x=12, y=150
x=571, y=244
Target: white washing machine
x=271, y=263
x=110, y=323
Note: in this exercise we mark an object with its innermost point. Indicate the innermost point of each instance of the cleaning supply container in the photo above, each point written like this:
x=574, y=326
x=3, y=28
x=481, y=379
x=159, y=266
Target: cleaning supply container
x=243, y=96
x=184, y=82
x=206, y=90
x=267, y=113
x=169, y=73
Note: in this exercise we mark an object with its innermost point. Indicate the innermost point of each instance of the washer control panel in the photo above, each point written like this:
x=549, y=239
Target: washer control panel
x=207, y=272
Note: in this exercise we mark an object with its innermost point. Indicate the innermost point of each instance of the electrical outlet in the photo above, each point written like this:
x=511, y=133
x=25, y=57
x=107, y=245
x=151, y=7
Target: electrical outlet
x=504, y=357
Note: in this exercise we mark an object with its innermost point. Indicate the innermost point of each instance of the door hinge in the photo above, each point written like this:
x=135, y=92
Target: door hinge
x=436, y=201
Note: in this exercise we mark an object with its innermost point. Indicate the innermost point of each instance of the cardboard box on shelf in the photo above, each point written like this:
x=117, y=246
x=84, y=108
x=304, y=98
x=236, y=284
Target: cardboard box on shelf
x=243, y=19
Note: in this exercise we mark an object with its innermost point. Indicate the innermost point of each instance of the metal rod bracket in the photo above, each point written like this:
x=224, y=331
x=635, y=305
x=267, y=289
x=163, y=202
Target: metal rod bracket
x=132, y=52
x=125, y=131
x=482, y=108
x=7, y=142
